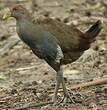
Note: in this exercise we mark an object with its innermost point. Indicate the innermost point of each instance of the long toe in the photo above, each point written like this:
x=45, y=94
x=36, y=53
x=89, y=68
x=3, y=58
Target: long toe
x=70, y=97
x=65, y=98
x=63, y=101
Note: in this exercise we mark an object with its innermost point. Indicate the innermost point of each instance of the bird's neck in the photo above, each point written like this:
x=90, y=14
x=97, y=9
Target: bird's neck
x=23, y=18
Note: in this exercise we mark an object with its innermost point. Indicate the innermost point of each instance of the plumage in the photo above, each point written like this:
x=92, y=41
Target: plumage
x=42, y=43
x=73, y=42
x=53, y=41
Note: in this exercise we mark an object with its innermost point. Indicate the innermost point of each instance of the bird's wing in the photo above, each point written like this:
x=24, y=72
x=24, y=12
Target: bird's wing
x=71, y=39
x=48, y=49
x=67, y=36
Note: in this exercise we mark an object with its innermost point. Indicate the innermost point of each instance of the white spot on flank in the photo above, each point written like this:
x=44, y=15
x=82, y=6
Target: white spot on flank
x=59, y=54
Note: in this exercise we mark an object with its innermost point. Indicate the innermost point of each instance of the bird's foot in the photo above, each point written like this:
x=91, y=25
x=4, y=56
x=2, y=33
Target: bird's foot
x=64, y=100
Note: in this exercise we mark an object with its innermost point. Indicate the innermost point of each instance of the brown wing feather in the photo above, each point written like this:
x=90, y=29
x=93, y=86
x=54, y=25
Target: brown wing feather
x=68, y=37
x=72, y=41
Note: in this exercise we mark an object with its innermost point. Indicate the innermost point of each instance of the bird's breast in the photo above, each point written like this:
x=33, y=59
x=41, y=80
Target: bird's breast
x=25, y=32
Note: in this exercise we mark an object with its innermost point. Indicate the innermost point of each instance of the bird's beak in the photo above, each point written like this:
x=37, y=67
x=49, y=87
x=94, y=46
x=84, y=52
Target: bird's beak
x=7, y=15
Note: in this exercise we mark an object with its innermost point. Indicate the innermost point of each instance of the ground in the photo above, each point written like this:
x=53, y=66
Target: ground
x=27, y=83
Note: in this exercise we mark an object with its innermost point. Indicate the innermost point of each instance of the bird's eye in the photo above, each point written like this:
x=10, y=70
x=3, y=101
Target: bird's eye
x=15, y=9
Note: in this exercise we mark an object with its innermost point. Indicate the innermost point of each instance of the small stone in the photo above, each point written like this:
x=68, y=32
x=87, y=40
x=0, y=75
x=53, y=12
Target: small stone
x=13, y=91
x=19, y=83
x=105, y=90
x=52, y=84
x=39, y=82
x=34, y=83
x=75, y=22
x=88, y=13
x=46, y=73
x=38, y=94
x=98, y=90
x=66, y=20
x=72, y=10
x=46, y=14
x=27, y=84
x=92, y=105
x=58, y=19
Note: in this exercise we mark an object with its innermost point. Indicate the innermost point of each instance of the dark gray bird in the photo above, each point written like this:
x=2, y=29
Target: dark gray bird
x=53, y=41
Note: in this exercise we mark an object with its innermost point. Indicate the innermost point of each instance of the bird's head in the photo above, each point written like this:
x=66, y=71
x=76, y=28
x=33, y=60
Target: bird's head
x=17, y=12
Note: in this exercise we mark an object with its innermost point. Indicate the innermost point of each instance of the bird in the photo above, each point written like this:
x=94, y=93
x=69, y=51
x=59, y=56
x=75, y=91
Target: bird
x=55, y=42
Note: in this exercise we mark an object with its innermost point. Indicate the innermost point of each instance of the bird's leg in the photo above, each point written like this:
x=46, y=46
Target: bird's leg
x=66, y=93
x=58, y=82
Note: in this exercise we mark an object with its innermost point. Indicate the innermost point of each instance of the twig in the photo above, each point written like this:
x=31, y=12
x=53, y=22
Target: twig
x=33, y=104
x=8, y=46
x=93, y=83
x=23, y=1
x=26, y=68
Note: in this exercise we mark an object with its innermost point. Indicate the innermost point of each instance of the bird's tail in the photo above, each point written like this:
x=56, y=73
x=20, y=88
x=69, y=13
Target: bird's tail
x=94, y=30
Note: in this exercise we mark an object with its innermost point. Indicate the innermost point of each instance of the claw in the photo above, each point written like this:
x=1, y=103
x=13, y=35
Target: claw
x=64, y=99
